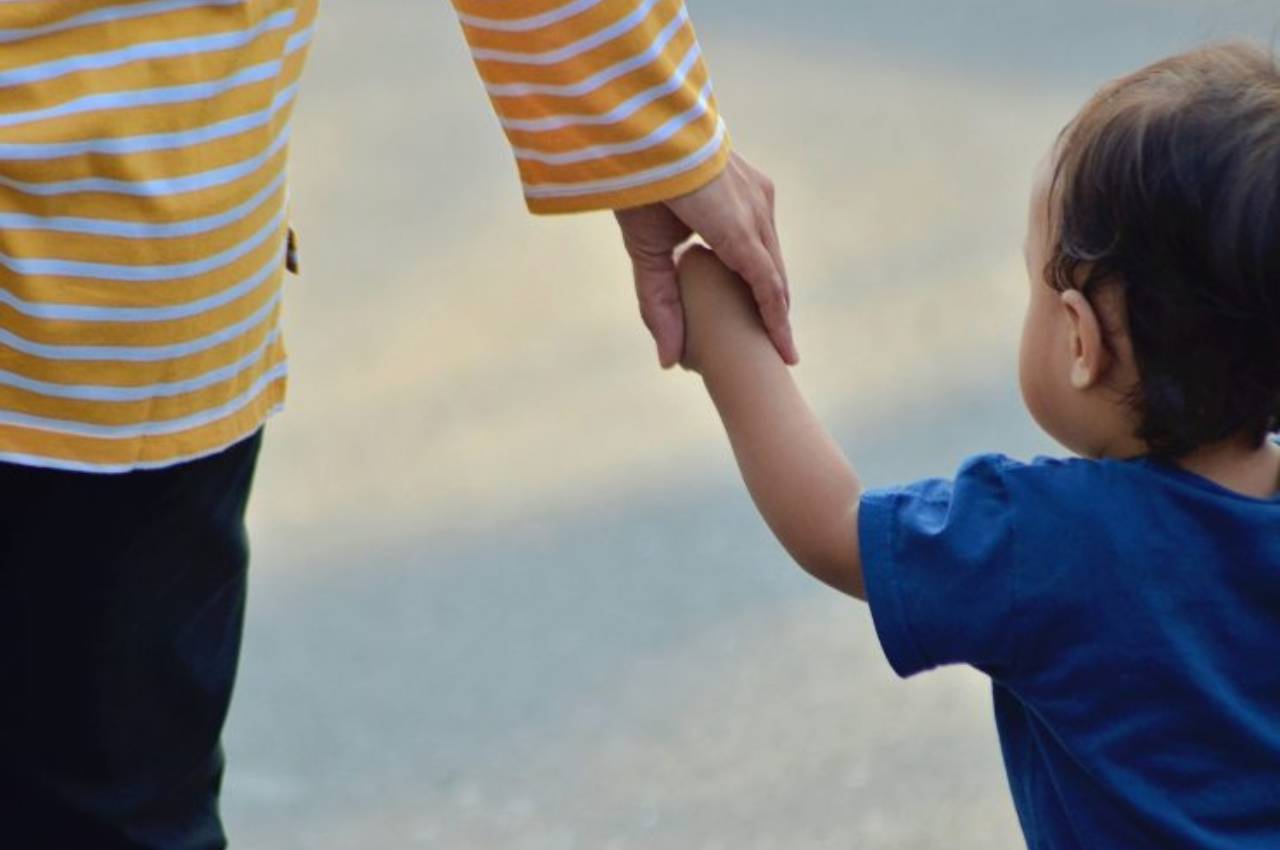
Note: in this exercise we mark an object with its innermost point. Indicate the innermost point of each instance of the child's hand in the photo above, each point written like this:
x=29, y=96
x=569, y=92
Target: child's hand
x=719, y=310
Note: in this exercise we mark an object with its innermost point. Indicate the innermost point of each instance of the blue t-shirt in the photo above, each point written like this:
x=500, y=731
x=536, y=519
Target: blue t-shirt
x=1128, y=614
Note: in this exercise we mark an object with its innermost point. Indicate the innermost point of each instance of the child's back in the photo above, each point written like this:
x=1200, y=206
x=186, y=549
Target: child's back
x=1126, y=605
x=1127, y=613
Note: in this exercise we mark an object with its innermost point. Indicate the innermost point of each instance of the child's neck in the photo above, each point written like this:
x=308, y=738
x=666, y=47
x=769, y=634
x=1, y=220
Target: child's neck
x=1239, y=467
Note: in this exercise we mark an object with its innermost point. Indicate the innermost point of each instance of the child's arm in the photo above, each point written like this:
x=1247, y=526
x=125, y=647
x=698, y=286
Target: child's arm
x=800, y=481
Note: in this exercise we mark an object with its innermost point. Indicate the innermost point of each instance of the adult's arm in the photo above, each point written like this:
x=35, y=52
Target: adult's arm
x=608, y=104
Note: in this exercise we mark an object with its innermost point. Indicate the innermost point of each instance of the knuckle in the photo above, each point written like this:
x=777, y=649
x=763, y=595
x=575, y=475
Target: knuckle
x=656, y=297
x=771, y=302
x=774, y=301
x=667, y=299
x=646, y=316
x=769, y=188
x=735, y=247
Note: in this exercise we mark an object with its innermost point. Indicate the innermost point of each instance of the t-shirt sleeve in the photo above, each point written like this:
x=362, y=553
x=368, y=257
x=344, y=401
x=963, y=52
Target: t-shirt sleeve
x=606, y=103
x=938, y=562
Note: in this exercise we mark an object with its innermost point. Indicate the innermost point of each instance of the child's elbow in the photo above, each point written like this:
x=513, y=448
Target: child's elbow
x=835, y=559
x=841, y=575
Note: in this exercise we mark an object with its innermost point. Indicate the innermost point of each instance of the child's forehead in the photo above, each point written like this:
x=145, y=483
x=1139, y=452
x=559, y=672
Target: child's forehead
x=1042, y=174
x=1048, y=162
x=1041, y=186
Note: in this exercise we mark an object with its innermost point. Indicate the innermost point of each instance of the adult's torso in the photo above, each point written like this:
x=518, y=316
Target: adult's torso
x=142, y=220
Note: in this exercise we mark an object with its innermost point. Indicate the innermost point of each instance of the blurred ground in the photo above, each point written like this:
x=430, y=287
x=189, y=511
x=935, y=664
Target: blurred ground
x=508, y=592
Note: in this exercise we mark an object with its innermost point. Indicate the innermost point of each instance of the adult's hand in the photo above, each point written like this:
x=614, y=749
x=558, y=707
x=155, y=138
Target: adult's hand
x=734, y=215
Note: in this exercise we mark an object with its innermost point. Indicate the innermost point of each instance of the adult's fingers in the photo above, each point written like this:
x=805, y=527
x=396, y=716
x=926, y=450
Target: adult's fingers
x=769, y=234
x=651, y=234
x=734, y=215
x=658, y=292
x=755, y=264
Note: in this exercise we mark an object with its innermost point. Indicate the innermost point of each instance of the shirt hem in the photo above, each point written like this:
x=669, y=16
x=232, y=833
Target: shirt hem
x=884, y=595
x=639, y=196
x=69, y=465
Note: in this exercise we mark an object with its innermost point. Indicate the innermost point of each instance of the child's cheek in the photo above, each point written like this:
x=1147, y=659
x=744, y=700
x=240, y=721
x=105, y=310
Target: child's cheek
x=1034, y=375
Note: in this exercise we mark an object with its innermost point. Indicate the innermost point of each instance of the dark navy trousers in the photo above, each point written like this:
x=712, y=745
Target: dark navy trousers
x=121, y=610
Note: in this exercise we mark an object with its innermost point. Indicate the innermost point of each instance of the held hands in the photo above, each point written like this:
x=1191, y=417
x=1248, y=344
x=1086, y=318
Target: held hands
x=734, y=214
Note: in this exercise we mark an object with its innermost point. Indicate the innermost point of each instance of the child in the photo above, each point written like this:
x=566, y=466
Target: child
x=1125, y=603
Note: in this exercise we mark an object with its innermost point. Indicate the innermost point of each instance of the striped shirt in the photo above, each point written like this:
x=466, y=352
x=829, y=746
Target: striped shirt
x=143, y=206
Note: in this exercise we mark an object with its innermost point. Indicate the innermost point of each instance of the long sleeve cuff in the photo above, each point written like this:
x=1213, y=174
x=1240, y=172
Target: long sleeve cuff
x=607, y=104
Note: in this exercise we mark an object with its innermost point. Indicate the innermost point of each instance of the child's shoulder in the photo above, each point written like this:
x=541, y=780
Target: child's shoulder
x=1071, y=484
x=998, y=477
x=1064, y=468
x=1055, y=471
x=1103, y=492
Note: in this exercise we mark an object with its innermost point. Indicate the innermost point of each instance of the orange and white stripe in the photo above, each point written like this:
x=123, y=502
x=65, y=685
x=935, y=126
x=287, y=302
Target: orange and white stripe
x=142, y=225
x=607, y=103
x=143, y=207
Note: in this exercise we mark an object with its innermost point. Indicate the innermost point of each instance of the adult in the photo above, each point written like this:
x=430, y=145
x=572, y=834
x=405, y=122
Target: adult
x=143, y=239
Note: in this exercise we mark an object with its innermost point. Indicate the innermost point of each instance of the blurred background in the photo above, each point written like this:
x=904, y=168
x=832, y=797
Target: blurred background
x=508, y=592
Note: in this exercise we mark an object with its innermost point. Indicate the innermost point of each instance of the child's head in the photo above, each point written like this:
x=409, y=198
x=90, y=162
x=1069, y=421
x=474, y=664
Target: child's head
x=1154, y=255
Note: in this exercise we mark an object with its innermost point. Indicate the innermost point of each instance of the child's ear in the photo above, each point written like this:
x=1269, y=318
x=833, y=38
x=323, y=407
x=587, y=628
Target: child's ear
x=1090, y=358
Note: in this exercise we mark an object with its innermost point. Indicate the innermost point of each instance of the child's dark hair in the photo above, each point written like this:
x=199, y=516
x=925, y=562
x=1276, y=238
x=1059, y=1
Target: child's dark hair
x=1168, y=183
